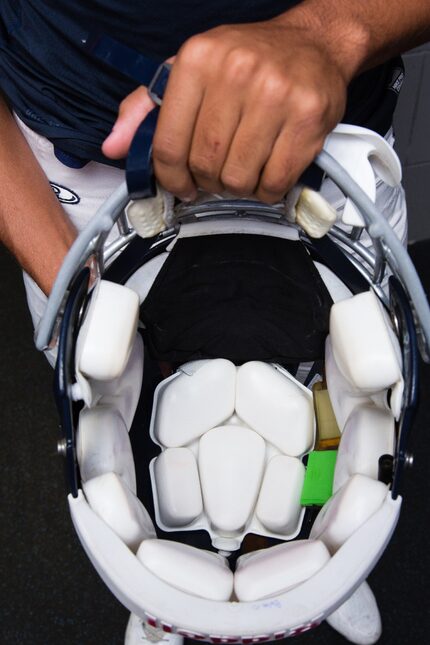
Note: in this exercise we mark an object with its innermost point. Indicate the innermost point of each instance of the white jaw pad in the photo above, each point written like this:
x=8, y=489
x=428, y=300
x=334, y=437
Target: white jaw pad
x=108, y=332
x=120, y=509
x=278, y=506
x=103, y=445
x=271, y=571
x=196, y=571
x=276, y=407
x=364, y=345
x=231, y=463
x=123, y=392
x=178, y=487
x=188, y=406
x=347, y=510
x=343, y=396
x=368, y=434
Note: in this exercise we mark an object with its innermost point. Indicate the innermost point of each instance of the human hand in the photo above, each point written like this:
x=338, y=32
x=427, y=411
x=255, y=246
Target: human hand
x=246, y=109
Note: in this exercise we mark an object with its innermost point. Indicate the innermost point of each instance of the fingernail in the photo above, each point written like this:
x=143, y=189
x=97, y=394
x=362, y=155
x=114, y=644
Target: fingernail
x=189, y=198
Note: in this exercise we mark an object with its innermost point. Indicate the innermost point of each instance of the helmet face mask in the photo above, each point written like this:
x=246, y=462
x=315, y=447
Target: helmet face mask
x=233, y=400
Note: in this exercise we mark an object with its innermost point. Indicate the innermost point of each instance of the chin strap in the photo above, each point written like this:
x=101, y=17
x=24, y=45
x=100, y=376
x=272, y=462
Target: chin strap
x=152, y=74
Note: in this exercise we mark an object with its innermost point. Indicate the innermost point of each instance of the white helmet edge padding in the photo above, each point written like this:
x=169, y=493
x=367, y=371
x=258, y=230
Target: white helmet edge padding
x=146, y=595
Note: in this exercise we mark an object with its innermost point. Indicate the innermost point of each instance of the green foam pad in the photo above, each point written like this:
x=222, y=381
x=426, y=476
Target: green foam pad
x=318, y=484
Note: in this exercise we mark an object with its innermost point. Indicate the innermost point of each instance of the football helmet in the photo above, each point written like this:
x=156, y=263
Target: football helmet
x=236, y=395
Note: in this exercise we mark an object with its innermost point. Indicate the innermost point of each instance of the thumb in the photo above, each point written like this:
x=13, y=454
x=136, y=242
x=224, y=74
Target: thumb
x=132, y=110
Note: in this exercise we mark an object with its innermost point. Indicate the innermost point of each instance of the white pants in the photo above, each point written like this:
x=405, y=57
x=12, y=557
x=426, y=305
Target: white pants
x=83, y=190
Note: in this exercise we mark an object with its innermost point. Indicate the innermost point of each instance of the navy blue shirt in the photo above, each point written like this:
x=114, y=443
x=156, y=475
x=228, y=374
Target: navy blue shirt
x=59, y=90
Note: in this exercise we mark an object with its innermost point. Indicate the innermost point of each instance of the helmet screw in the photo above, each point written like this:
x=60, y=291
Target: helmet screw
x=409, y=460
x=62, y=447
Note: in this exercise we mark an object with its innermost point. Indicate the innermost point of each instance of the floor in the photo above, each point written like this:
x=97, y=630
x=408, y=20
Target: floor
x=50, y=594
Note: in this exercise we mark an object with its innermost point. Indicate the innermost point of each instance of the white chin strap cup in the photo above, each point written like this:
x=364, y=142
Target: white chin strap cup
x=151, y=216
x=309, y=209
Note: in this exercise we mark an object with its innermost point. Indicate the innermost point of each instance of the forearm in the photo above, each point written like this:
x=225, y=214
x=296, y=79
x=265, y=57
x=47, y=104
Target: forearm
x=360, y=35
x=32, y=223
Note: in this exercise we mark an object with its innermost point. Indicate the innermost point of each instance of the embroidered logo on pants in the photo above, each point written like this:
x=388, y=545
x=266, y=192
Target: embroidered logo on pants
x=65, y=195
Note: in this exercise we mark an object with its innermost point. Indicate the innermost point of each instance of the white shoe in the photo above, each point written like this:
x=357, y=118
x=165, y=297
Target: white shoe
x=139, y=633
x=358, y=619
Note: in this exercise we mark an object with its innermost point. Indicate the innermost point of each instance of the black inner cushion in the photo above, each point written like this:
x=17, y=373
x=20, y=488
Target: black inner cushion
x=240, y=297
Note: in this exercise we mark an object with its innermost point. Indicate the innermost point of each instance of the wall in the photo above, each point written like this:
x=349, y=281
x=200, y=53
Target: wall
x=412, y=128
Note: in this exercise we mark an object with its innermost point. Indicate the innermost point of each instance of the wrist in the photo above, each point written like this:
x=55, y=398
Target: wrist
x=337, y=30
x=44, y=261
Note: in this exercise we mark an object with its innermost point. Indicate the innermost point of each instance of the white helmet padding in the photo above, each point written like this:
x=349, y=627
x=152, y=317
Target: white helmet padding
x=363, y=359
x=231, y=465
x=173, y=425
x=345, y=397
x=116, y=505
x=112, y=316
x=275, y=405
x=110, y=371
x=242, y=433
x=364, y=345
x=288, y=613
x=278, y=511
x=195, y=571
x=103, y=445
x=347, y=510
x=178, y=486
x=368, y=434
x=272, y=571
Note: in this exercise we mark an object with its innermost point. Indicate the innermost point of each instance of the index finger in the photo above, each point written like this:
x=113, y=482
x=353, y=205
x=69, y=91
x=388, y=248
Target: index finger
x=175, y=127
